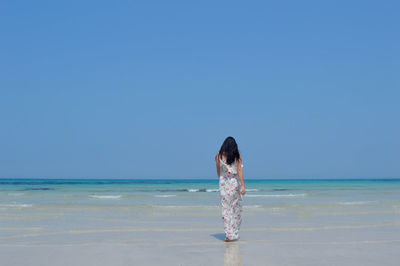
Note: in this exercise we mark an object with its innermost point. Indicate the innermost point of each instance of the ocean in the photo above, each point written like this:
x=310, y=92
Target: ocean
x=179, y=222
x=278, y=196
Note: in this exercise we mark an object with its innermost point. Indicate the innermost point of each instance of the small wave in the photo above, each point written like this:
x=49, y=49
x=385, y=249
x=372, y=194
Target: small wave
x=251, y=206
x=252, y=189
x=15, y=194
x=276, y=195
x=354, y=202
x=37, y=188
x=164, y=196
x=201, y=190
x=186, y=206
x=106, y=196
x=16, y=205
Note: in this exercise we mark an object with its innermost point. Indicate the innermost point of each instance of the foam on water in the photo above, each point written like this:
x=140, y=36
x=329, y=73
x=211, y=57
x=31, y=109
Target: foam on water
x=251, y=206
x=191, y=207
x=164, y=196
x=276, y=195
x=355, y=202
x=312, y=196
x=202, y=190
x=106, y=196
x=15, y=194
x=15, y=205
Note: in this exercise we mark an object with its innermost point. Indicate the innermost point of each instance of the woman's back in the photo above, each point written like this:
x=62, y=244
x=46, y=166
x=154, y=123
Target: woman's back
x=228, y=169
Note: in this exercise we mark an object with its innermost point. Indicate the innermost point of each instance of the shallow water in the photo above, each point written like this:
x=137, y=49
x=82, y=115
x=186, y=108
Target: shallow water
x=310, y=195
x=120, y=222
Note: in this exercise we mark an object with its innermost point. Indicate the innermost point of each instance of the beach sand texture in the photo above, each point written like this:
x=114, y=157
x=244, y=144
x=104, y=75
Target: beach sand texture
x=290, y=225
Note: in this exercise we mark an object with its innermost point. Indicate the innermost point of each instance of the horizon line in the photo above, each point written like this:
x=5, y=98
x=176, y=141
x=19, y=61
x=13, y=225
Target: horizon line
x=112, y=178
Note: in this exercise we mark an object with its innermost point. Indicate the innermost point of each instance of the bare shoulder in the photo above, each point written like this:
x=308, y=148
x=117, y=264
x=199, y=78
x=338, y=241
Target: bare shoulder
x=217, y=157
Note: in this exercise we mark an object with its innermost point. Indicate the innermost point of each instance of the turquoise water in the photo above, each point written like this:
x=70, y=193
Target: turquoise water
x=275, y=194
x=309, y=218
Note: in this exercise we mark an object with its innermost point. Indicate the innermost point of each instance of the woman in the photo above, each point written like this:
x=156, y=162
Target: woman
x=231, y=187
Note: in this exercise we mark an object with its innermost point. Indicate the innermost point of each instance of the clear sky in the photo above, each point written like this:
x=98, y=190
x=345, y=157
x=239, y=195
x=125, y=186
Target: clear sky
x=150, y=89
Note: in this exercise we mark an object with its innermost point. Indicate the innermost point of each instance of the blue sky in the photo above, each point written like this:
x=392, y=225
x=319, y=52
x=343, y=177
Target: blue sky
x=150, y=89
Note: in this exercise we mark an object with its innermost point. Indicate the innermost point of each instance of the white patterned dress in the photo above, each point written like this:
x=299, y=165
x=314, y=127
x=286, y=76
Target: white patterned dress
x=231, y=199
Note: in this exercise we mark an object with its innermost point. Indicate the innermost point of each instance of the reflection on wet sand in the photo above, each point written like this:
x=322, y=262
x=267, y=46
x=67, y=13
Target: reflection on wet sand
x=232, y=256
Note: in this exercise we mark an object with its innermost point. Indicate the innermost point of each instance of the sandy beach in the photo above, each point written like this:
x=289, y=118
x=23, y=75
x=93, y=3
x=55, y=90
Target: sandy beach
x=85, y=234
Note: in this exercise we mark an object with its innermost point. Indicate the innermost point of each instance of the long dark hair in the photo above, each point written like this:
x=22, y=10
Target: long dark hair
x=230, y=149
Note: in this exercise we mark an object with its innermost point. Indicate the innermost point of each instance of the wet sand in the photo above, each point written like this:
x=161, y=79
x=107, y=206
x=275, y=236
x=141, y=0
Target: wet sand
x=84, y=235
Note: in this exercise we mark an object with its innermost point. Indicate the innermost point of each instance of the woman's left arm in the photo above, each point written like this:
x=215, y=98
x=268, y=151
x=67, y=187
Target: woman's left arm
x=240, y=174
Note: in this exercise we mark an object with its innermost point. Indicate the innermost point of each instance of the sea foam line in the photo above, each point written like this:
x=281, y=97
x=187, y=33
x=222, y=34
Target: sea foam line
x=186, y=206
x=202, y=190
x=214, y=190
x=252, y=206
x=15, y=194
x=16, y=205
x=164, y=196
x=106, y=196
x=276, y=195
x=354, y=202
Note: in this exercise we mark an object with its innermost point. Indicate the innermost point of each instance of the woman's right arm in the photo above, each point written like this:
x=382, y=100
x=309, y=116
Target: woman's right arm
x=217, y=161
